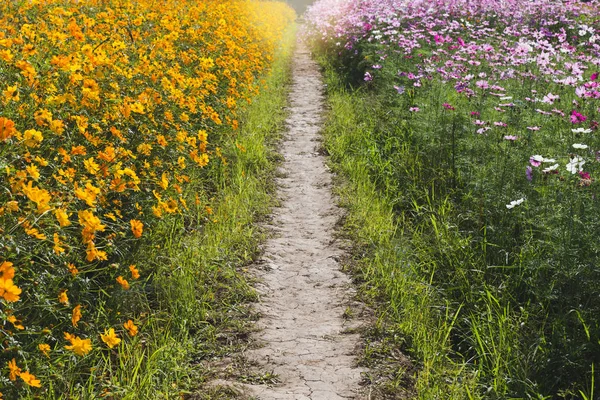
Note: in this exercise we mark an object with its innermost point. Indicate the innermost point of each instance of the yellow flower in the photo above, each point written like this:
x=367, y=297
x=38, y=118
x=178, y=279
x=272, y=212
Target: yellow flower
x=44, y=348
x=144, y=149
x=79, y=346
x=76, y=316
x=88, y=194
x=131, y=328
x=123, y=282
x=137, y=227
x=14, y=371
x=16, y=323
x=62, y=217
x=72, y=269
x=33, y=172
x=91, y=166
x=58, y=249
x=110, y=338
x=40, y=197
x=30, y=379
x=63, y=298
x=11, y=93
x=92, y=253
x=32, y=138
x=137, y=108
x=35, y=233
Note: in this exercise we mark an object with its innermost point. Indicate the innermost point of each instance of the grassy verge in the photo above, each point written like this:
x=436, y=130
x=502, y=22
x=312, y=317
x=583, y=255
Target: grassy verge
x=411, y=315
x=196, y=305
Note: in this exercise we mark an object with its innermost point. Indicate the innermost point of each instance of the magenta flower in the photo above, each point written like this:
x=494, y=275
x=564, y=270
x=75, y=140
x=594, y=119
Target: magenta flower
x=577, y=117
x=414, y=109
x=585, y=175
x=447, y=106
x=594, y=76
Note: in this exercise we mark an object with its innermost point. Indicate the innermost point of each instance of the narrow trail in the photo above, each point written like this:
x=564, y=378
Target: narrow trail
x=303, y=292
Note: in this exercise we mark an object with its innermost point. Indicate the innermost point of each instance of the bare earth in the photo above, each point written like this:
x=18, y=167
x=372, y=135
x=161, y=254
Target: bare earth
x=303, y=292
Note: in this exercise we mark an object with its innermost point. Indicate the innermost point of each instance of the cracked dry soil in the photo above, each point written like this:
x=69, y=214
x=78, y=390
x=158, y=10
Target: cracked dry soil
x=303, y=292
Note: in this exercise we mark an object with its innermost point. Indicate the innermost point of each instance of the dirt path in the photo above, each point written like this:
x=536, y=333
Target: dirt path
x=303, y=292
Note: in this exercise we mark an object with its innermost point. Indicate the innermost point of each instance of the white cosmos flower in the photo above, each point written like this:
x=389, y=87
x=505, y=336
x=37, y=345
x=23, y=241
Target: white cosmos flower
x=537, y=158
x=515, y=203
x=575, y=164
x=550, y=168
x=580, y=146
x=506, y=98
x=581, y=130
x=542, y=159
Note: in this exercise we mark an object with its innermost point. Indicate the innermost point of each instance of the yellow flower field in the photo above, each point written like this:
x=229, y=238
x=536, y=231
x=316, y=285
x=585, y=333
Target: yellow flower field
x=110, y=110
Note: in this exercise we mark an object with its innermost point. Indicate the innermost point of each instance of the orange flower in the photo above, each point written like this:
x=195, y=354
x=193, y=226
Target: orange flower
x=94, y=254
x=63, y=298
x=9, y=291
x=123, y=282
x=135, y=274
x=131, y=328
x=14, y=371
x=72, y=269
x=30, y=379
x=7, y=128
x=76, y=316
x=7, y=270
x=137, y=227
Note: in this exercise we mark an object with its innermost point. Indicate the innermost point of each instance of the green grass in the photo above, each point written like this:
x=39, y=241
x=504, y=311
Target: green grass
x=196, y=306
x=411, y=314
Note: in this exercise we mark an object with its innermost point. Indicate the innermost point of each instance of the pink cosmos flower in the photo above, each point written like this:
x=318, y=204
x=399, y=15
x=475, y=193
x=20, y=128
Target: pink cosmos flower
x=447, y=106
x=536, y=160
x=577, y=117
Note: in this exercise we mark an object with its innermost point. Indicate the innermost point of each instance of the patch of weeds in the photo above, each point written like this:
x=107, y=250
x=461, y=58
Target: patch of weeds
x=260, y=378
